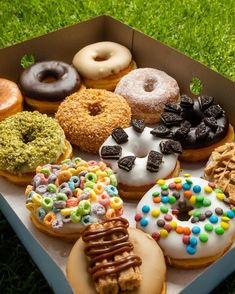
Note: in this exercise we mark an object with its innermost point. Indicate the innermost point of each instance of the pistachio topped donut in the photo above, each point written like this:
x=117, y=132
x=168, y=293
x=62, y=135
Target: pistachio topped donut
x=63, y=199
x=28, y=139
x=103, y=64
x=189, y=219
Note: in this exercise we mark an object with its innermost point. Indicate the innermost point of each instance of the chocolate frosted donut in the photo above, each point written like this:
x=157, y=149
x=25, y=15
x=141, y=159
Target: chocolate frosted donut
x=195, y=123
x=64, y=80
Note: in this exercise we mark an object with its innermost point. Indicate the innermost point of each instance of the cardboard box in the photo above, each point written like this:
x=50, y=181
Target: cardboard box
x=51, y=254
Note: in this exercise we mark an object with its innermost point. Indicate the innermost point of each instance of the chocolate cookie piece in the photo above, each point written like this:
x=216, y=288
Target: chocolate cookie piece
x=161, y=131
x=154, y=161
x=170, y=107
x=182, y=132
x=176, y=146
x=214, y=111
x=111, y=152
x=186, y=101
x=119, y=135
x=202, y=131
x=138, y=125
x=211, y=122
x=205, y=101
x=170, y=146
x=126, y=162
x=171, y=119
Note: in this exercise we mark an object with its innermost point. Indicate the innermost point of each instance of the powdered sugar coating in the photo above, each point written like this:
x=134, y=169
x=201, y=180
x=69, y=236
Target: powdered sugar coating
x=148, y=90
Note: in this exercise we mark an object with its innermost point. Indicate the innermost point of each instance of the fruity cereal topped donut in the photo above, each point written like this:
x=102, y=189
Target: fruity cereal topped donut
x=64, y=198
x=189, y=219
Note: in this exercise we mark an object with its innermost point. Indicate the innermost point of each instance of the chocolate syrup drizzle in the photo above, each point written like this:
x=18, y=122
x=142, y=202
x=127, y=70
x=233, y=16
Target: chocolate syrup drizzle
x=98, y=251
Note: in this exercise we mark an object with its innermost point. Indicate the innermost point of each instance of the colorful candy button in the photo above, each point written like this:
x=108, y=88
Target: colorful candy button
x=155, y=236
x=163, y=233
x=203, y=238
x=155, y=212
x=145, y=208
x=213, y=219
x=219, y=231
x=230, y=214
x=220, y=196
x=197, y=189
x=161, y=182
x=156, y=193
x=191, y=250
x=144, y=222
x=164, y=209
x=138, y=217
x=208, y=227
x=208, y=189
x=196, y=230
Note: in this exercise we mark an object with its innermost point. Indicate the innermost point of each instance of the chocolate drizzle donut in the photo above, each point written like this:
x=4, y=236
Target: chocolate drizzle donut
x=64, y=80
x=195, y=123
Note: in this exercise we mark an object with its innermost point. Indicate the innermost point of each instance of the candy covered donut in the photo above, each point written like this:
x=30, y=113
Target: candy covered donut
x=103, y=64
x=138, y=158
x=147, y=90
x=64, y=199
x=189, y=219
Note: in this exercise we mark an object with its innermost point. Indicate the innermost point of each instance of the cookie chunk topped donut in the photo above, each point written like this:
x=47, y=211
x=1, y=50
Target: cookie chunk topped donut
x=189, y=219
x=147, y=90
x=138, y=158
x=103, y=64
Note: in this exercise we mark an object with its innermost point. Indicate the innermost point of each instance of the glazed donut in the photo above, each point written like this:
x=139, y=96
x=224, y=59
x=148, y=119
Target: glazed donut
x=28, y=139
x=189, y=219
x=64, y=198
x=147, y=90
x=134, y=247
x=200, y=126
x=220, y=169
x=89, y=117
x=139, y=158
x=10, y=99
x=45, y=84
x=103, y=64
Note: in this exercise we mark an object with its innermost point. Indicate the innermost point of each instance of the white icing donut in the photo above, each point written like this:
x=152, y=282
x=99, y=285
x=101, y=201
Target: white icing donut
x=200, y=236
x=139, y=145
x=147, y=90
x=101, y=60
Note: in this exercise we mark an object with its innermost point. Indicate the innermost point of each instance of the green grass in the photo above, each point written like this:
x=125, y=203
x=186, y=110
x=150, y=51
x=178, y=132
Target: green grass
x=202, y=29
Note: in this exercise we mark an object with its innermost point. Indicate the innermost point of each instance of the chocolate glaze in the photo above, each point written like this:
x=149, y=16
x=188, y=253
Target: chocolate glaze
x=195, y=131
x=66, y=81
x=99, y=251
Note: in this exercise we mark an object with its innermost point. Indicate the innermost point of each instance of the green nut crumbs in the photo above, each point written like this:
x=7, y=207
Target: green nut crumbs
x=29, y=139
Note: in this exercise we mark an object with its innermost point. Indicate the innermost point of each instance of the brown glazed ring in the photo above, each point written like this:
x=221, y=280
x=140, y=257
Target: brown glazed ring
x=34, y=81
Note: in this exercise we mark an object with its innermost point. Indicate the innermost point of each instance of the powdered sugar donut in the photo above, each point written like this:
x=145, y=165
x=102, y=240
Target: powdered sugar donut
x=189, y=219
x=147, y=90
x=138, y=158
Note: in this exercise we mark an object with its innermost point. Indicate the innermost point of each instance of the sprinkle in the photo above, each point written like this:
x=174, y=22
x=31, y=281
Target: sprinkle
x=172, y=199
x=156, y=193
x=155, y=212
x=145, y=209
x=173, y=224
x=156, y=236
x=187, y=194
x=161, y=223
x=208, y=189
x=220, y=196
x=144, y=222
x=191, y=250
x=219, y=211
x=164, y=209
x=196, y=230
x=187, y=231
x=193, y=241
x=219, y=231
x=171, y=186
x=186, y=240
x=164, y=187
x=192, y=199
x=156, y=199
x=167, y=227
x=161, y=182
x=208, y=227
x=178, y=186
x=213, y=219
x=179, y=230
x=224, y=225
x=206, y=202
x=168, y=217
x=196, y=189
x=177, y=180
x=203, y=238
x=186, y=175
x=163, y=233
x=230, y=214
x=186, y=186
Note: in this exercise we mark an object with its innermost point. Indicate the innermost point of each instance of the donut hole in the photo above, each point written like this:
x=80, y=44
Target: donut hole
x=28, y=137
x=102, y=57
x=183, y=214
x=193, y=116
x=140, y=150
x=149, y=85
x=94, y=109
x=48, y=77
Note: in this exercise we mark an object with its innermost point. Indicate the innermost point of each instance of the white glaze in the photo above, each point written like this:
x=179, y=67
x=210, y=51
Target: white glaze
x=133, y=88
x=140, y=144
x=117, y=58
x=172, y=245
